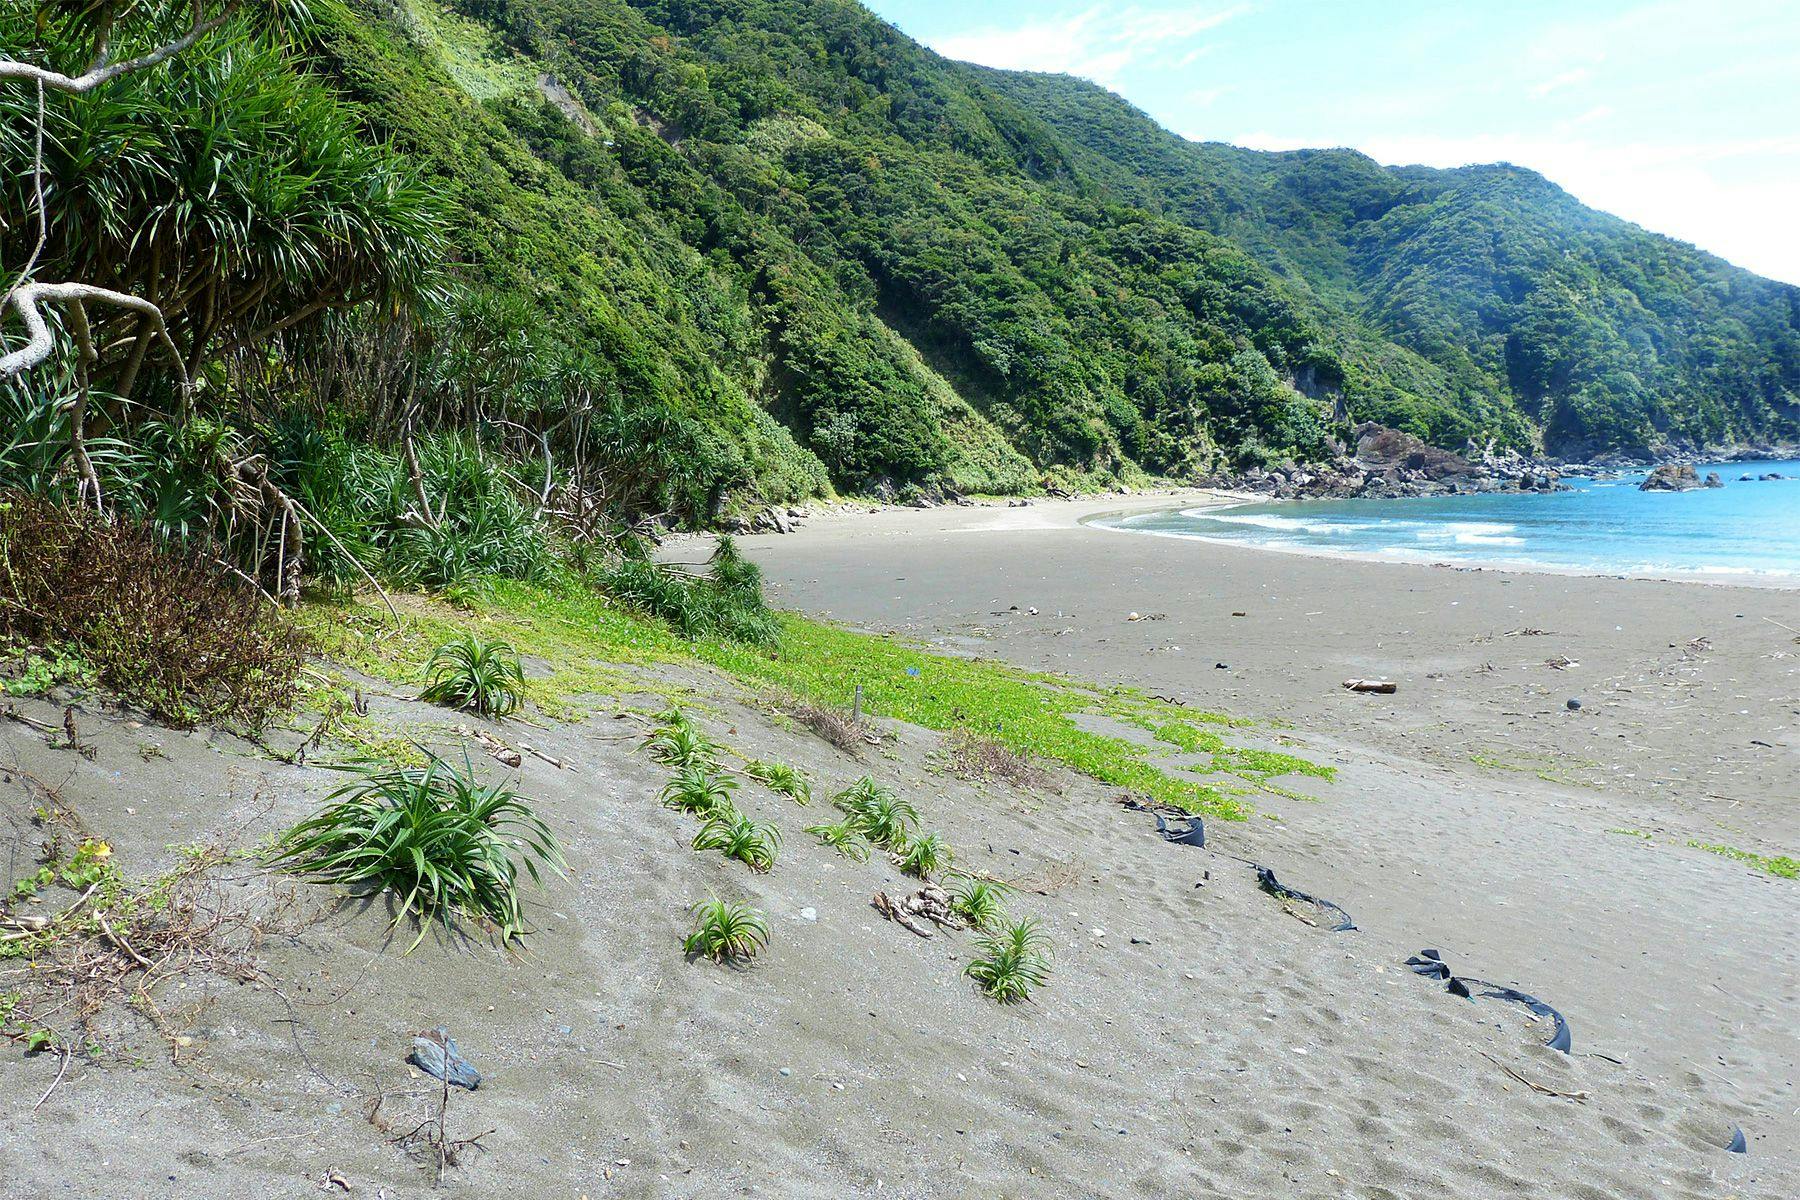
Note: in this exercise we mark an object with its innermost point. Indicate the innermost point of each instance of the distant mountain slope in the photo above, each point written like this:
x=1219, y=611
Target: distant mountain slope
x=1603, y=335
x=814, y=248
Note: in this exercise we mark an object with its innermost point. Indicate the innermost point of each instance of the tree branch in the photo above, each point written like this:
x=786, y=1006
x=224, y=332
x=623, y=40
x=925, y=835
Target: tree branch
x=27, y=298
x=101, y=73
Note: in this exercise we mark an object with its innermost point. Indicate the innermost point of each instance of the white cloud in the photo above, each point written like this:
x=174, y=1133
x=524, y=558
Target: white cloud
x=1099, y=43
x=1556, y=83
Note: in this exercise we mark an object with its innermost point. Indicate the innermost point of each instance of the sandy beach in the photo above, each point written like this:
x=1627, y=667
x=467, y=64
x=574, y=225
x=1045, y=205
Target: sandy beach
x=1195, y=1038
x=1474, y=810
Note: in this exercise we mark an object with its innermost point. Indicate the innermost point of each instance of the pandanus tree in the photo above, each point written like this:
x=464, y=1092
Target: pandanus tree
x=175, y=190
x=221, y=185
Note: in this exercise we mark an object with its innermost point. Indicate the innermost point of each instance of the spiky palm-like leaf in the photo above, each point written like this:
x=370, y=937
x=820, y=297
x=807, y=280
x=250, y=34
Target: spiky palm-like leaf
x=700, y=789
x=435, y=836
x=471, y=673
x=753, y=843
x=726, y=930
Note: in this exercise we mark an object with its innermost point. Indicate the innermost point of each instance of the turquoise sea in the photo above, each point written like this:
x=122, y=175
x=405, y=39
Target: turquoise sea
x=1603, y=526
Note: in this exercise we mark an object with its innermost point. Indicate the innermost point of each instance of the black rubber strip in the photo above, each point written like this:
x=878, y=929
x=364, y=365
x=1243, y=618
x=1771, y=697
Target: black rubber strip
x=1431, y=964
x=1266, y=879
x=1195, y=835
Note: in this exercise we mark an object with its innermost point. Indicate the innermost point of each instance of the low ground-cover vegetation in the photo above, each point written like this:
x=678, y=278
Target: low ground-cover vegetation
x=1779, y=865
x=583, y=637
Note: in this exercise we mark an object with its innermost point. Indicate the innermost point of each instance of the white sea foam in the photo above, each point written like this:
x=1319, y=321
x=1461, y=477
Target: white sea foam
x=1278, y=524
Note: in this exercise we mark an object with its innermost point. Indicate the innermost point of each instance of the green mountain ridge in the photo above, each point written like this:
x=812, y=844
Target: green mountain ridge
x=777, y=247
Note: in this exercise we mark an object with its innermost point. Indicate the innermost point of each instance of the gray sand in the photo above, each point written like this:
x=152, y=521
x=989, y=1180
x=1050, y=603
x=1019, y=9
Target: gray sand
x=1196, y=1040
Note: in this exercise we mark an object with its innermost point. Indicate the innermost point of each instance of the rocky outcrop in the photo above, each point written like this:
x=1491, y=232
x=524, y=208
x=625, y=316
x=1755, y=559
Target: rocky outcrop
x=1679, y=477
x=1389, y=464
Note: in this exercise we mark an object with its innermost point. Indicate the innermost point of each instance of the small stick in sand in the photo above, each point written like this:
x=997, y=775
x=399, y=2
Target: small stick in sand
x=118, y=940
x=1383, y=687
x=1541, y=1089
x=59, y=1078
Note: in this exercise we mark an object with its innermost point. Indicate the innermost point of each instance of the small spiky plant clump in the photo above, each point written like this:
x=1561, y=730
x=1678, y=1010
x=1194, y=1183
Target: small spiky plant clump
x=843, y=837
x=726, y=930
x=980, y=902
x=925, y=856
x=877, y=813
x=731, y=833
x=477, y=675
x=432, y=835
x=780, y=779
x=1013, y=962
x=671, y=717
x=699, y=789
x=681, y=746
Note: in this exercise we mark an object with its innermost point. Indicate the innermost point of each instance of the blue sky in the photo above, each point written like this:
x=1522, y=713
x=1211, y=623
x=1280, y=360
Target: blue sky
x=1683, y=117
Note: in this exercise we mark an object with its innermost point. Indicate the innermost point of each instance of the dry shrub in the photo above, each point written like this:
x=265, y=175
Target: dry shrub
x=103, y=954
x=834, y=726
x=975, y=757
x=167, y=629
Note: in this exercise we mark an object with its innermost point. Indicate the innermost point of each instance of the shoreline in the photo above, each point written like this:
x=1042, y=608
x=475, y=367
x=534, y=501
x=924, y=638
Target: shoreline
x=1720, y=578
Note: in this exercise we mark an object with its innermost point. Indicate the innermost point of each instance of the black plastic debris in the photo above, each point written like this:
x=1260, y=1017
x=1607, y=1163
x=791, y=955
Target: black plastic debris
x=434, y=1052
x=1737, y=1144
x=1193, y=835
x=1431, y=965
x=1265, y=878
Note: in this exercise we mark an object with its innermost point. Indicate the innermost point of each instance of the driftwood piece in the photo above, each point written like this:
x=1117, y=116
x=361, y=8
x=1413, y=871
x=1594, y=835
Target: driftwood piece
x=1381, y=687
x=932, y=903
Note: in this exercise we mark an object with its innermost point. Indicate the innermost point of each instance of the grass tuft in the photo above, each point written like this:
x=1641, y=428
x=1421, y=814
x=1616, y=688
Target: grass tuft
x=476, y=675
x=980, y=902
x=781, y=779
x=843, y=837
x=700, y=789
x=682, y=746
x=726, y=930
x=435, y=836
x=1013, y=962
x=877, y=813
x=926, y=856
x=731, y=833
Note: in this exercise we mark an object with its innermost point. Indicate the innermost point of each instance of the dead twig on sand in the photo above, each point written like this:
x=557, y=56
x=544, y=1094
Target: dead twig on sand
x=429, y=1135
x=60, y=1072
x=1539, y=1088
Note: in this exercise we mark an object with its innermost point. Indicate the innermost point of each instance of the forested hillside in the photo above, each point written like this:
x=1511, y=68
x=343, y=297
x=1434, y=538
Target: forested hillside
x=698, y=254
x=1601, y=335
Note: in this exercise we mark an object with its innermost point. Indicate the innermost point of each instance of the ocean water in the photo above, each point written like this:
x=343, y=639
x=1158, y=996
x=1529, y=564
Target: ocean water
x=1602, y=526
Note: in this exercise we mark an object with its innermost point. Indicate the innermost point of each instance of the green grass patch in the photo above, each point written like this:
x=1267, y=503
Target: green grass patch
x=1780, y=866
x=586, y=642
x=1545, y=767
